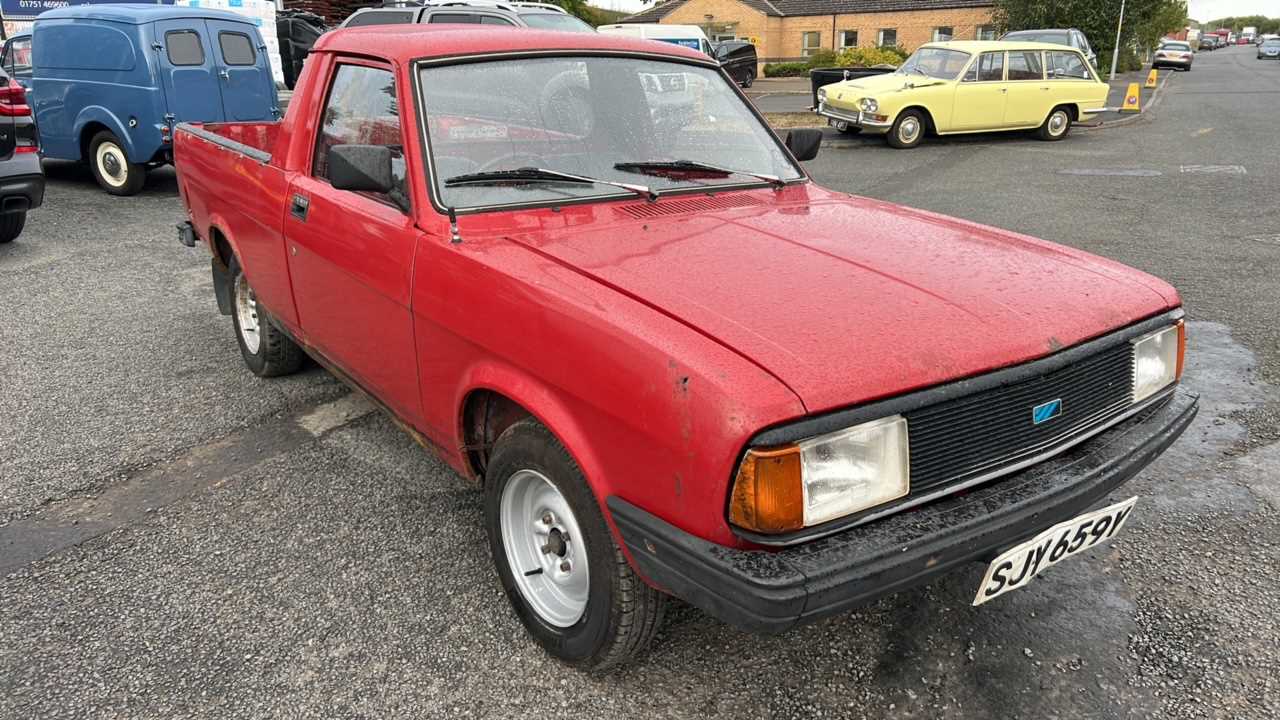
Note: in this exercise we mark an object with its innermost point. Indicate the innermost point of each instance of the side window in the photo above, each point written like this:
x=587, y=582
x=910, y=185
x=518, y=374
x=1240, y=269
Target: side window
x=361, y=110
x=183, y=47
x=463, y=18
x=379, y=18
x=1067, y=65
x=1025, y=65
x=17, y=56
x=989, y=68
x=237, y=48
x=494, y=20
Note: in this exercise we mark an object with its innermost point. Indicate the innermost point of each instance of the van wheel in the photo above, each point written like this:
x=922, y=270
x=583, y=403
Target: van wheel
x=565, y=578
x=111, y=166
x=265, y=348
x=1056, y=126
x=11, y=225
x=907, y=130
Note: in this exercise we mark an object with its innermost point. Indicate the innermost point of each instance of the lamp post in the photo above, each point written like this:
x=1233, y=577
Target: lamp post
x=1115, y=53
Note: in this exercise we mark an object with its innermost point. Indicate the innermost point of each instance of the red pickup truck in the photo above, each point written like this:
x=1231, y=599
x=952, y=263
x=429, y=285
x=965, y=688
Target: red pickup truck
x=584, y=271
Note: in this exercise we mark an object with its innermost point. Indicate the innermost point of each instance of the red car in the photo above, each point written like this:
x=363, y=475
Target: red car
x=584, y=271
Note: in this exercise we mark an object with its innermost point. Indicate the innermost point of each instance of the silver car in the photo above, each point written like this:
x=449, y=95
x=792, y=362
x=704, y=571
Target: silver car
x=1269, y=49
x=1175, y=54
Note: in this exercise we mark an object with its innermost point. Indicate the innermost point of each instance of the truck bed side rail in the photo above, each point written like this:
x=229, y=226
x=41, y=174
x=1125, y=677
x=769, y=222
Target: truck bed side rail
x=260, y=155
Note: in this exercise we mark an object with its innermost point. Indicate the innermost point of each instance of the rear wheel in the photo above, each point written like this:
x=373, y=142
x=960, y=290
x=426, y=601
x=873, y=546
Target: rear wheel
x=907, y=130
x=11, y=226
x=565, y=578
x=750, y=78
x=111, y=166
x=1056, y=126
x=265, y=348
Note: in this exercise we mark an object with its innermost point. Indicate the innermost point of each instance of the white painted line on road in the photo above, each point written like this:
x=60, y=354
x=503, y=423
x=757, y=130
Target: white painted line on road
x=1202, y=132
x=1214, y=169
x=1120, y=172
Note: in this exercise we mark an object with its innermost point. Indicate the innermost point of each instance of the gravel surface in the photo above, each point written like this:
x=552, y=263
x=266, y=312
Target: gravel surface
x=222, y=546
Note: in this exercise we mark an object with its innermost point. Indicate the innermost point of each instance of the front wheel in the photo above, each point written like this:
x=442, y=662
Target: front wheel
x=750, y=78
x=265, y=348
x=565, y=578
x=1056, y=126
x=111, y=166
x=907, y=130
x=11, y=226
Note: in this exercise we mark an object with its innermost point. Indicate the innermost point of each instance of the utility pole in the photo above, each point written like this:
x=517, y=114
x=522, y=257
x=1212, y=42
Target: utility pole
x=1115, y=54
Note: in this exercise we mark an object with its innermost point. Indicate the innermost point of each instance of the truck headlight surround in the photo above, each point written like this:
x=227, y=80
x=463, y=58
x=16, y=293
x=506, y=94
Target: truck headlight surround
x=829, y=476
x=1158, y=359
x=868, y=105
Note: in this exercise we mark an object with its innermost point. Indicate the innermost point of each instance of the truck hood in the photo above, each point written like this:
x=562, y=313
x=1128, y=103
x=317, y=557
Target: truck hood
x=847, y=300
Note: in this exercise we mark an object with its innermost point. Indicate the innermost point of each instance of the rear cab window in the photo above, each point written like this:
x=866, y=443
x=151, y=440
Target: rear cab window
x=183, y=47
x=361, y=109
x=237, y=48
x=380, y=18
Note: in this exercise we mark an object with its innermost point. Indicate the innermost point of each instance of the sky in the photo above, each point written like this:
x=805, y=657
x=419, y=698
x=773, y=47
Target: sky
x=1202, y=10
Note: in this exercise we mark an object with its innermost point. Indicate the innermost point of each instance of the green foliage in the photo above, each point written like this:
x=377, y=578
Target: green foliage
x=870, y=56
x=786, y=69
x=1145, y=21
x=1265, y=25
x=822, y=58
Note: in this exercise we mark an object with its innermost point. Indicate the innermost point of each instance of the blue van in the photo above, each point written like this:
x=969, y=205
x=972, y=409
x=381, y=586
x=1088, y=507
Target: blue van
x=110, y=82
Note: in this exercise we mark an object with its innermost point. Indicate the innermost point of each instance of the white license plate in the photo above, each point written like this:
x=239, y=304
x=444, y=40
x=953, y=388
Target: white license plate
x=1016, y=566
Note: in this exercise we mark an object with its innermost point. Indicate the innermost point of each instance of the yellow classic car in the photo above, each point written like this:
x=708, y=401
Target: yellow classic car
x=969, y=86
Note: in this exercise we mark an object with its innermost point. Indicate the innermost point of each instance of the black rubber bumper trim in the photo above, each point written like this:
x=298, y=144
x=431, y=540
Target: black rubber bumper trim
x=766, y=591
x=30, y=187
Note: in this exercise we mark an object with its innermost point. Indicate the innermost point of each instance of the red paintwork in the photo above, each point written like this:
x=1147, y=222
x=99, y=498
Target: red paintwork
x=654, y=348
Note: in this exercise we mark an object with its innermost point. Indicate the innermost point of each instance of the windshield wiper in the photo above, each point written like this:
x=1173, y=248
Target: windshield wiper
x=542, y=175
x=666, y=167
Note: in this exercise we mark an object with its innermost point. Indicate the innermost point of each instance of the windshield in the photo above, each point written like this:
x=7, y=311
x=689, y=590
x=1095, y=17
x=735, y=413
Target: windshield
x=583, y=116
x=937, y=63
x=1271, y=43
x=555, y=21
x=1054, y=38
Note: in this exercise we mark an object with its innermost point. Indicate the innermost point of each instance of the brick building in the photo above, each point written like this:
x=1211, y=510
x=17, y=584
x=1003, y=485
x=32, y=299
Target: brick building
x=786, y=30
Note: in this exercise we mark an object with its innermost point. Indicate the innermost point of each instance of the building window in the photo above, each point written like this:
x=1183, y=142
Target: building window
x=848, y=39
x=888, y=37
x=942, y=34
x=986, y=32
x=810, y=43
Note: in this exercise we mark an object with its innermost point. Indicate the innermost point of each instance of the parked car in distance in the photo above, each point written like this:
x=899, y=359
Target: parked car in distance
x=1057, y=36
x=591, y=310
x=970, y=86
x=1207, y=43
x=1269, y=49
x=110, y=82
x=543, y=16
x=21, y=177
x=690, y=36
x=1174, y=54
x=15, y=59
x=738, y=58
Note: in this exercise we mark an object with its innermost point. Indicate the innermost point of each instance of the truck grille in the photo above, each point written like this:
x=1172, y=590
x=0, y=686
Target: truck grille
x=959, y=439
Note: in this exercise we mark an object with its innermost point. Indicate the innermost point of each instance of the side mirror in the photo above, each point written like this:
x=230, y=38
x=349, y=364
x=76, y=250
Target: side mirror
x=361, y=168
x=804, y=144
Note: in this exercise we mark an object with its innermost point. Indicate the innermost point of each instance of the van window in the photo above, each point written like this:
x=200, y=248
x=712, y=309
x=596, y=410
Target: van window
x=183, y=47
x=112, y=49
x=456, y=18
x=361, y=110
x=379, y=18
x=237, y=48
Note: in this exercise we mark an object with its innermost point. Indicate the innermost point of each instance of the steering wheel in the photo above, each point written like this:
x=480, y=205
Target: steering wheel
x=566, y=106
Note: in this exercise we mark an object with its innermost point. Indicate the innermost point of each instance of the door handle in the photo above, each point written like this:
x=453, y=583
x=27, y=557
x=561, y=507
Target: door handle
x=224, y=74
x=298, y=206
x=1004, y=90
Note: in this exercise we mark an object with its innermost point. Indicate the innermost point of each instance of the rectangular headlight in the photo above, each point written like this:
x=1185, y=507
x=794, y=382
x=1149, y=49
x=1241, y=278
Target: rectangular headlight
x=807, y=483
x=1157, y=360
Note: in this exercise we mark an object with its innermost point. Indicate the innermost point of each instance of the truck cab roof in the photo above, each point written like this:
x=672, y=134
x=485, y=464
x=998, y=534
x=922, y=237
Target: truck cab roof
x=138, y=13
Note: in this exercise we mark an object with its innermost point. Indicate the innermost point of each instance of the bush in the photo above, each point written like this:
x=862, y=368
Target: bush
x=869, y=57
x=786, y=69
x=822, y=58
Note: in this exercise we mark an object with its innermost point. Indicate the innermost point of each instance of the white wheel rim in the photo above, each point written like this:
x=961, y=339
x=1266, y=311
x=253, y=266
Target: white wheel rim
x=247, y=315
x=1057, y=123
x=908, y=130
x=112, y=164
x=544, y=548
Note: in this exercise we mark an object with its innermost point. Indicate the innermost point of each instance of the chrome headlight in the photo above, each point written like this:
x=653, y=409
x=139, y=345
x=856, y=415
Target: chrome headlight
x=822, y=478
x=1157, y=360
x=822, y=94
x=868, y=105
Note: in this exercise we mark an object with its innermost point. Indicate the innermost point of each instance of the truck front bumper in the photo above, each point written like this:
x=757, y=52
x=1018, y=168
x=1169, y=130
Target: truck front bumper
x=765, y=591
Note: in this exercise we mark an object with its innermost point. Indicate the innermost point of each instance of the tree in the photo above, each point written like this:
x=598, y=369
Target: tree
x=1144, y=22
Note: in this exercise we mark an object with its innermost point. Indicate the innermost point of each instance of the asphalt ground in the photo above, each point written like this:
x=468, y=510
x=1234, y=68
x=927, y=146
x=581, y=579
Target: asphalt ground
x=181, y=539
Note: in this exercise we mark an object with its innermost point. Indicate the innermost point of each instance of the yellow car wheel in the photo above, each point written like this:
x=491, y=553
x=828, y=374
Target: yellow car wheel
x=908, y=130
x=1056, y=126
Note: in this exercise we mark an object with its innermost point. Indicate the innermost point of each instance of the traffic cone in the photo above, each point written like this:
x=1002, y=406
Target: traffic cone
x=1151, y=79
x=1131, y=99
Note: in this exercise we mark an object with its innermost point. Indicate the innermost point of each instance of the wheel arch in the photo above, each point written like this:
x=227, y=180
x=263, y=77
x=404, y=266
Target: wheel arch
x=930, y=126
x=93, y=120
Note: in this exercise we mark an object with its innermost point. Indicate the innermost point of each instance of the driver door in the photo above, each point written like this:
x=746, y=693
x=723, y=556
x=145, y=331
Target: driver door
x=351, y=253
x=981, y=95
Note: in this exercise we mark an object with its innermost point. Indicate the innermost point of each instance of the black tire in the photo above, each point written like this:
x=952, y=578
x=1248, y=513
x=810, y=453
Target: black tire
x=11, y=225
x=114, y=175
x=276, y=354
x=750, y=78
x=1056, y=125
x=622, y=613
x=899, y=136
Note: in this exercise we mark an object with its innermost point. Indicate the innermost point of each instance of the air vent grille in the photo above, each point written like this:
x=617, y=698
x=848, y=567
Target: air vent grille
x=681, y=206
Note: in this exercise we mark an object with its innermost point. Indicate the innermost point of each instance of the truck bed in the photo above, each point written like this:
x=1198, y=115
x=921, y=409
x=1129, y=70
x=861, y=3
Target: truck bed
x=255, y=139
